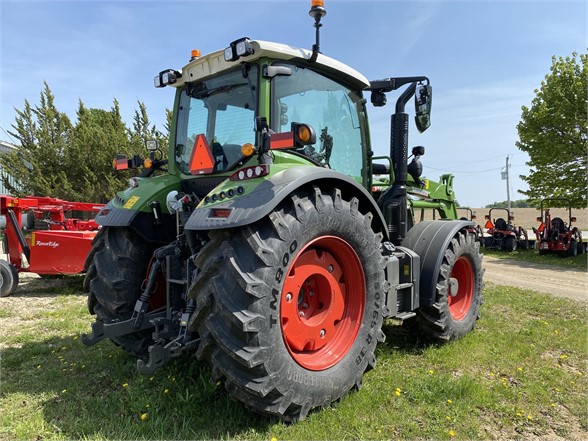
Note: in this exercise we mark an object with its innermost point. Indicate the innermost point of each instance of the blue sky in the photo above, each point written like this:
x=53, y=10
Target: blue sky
x=484, y=59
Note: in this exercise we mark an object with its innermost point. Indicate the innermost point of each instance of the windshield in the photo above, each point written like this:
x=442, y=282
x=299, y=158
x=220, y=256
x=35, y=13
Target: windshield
x=215, y=118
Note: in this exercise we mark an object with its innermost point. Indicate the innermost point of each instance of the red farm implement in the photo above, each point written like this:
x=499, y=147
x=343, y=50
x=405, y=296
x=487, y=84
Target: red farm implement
x=556, y=236
x=471, y=216
x=54, y=243
x=503, y=234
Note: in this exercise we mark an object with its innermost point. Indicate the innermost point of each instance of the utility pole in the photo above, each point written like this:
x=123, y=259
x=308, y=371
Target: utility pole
x=507, y=186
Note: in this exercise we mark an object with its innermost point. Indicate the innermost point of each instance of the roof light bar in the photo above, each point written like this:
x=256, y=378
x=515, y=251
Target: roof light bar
x=165, y=77
x=239, y=48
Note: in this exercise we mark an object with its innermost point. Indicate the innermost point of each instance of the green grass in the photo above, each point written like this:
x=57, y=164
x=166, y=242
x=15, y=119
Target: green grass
x=520, y=374
x=533, y=256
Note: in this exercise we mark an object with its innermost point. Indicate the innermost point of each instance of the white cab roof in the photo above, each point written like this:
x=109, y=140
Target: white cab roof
x=214, y=62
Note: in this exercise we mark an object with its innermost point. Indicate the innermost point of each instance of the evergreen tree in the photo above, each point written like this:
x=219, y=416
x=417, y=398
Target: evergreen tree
x=54, y=158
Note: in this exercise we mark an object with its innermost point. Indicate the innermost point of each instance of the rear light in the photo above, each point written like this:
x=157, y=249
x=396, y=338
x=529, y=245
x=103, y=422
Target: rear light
x=253, y=172
x=220, y=212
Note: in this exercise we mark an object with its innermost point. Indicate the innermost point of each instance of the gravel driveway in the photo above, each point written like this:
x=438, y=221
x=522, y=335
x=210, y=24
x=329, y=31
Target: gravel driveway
x=562, y=282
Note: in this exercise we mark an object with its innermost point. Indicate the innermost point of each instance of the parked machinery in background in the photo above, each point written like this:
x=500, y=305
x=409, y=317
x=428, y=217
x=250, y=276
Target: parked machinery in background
x=554, y=235
x=57, y=244
x=502, y=234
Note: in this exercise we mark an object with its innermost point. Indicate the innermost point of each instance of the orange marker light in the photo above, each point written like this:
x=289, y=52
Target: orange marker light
x=147, y=163
x=247, y=149
x=195, y=54
x=320, y=3
x=304, y=133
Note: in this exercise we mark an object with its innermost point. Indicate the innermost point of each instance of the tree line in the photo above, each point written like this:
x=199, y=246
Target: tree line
x=73, y=161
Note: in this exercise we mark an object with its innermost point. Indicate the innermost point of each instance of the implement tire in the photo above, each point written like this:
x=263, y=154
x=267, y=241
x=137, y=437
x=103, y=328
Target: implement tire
x=8, y=278
x=114, y=278
x=290, y=309
x=458, y=292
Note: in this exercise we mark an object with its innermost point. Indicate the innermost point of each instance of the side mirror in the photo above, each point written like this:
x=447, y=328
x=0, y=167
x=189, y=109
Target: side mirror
x=486, y=217
x=573, y=219
x=422, y=105
x=539, y=219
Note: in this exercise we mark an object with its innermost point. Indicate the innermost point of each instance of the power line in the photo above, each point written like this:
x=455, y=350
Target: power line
x=466, y=172
x=8, y=134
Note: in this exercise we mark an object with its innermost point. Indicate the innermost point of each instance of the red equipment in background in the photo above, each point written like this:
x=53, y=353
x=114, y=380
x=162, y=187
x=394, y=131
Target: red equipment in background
x=60, y=249
x=503, y=235
x=556, y=236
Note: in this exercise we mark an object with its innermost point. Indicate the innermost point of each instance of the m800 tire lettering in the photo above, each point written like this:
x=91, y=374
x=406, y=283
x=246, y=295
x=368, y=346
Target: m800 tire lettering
x=275, y=254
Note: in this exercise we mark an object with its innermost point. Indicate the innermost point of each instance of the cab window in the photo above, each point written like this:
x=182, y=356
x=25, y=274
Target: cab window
x=330, y=108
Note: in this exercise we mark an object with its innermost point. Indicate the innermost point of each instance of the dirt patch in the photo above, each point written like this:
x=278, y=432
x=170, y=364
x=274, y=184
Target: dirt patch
x=562, y=282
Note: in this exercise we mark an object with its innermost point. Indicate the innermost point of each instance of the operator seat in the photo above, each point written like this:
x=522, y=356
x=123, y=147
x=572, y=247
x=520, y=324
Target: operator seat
x=557, y=224
x=500, y=224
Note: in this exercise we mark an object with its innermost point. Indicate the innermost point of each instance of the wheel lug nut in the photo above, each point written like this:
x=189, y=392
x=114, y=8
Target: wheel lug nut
x=311, y=293
x=322, y=333
x=330, y=268
x=301, y=313
x=307, y=282
x=305, y=306
x=289, y=297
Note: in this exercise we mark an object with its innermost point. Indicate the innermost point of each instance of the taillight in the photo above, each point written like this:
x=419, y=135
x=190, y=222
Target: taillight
x=252, y=172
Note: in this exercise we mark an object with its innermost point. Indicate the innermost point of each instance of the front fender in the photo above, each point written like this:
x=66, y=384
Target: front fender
x=430, y=239
x=261, y=200
x=131, y=208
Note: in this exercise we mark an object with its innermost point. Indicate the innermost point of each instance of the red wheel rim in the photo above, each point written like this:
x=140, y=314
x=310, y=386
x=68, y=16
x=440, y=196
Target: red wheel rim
x=322, y=303
x=460, y=296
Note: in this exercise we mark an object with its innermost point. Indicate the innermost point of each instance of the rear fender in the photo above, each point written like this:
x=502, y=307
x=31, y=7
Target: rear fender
x=430, y=239
x=257, y=202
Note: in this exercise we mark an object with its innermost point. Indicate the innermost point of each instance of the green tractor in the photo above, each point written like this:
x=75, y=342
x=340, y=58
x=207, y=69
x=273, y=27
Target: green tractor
x=261, y=242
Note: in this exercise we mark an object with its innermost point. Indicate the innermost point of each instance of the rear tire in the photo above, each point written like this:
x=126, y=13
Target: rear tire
x=510, y=244
x=290, y=309
x=114, y=278
x=573, y=249
x=488, y=242
x=458, y=294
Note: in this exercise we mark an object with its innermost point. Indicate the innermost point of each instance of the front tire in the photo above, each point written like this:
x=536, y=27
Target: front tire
x=458, y=292
x=290, y=309
x=116, y=268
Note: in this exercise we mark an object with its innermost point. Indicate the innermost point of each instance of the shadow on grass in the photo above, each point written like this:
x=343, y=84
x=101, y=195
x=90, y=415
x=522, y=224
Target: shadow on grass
x=97, y=392
x=405, y=338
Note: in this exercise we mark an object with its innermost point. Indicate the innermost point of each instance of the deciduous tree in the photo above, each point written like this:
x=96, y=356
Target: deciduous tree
x=554, y=132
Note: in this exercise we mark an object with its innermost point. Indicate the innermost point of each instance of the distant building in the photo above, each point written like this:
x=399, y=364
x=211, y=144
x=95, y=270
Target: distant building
x=4, y=148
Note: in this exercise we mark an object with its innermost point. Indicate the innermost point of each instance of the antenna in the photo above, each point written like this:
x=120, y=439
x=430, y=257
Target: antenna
x=317, y=11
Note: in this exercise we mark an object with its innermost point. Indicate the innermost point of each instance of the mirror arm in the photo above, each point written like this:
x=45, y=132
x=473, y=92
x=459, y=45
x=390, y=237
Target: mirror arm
x=405, y=97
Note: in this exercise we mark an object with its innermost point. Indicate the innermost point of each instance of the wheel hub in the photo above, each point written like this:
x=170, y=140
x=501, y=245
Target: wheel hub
x=461, y=288
x=322, y=303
